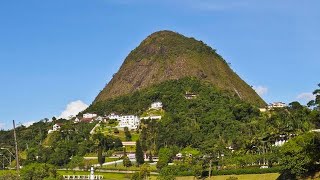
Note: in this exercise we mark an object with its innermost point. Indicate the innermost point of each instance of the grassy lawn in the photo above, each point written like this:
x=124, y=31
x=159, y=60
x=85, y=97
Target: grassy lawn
x=270, y=176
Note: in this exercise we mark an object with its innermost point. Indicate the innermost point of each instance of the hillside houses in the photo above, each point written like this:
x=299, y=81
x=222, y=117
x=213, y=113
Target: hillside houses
x=132, y=121
x=89, y=118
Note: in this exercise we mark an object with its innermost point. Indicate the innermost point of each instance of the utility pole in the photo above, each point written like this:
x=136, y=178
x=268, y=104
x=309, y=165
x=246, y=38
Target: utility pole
x=16, y=145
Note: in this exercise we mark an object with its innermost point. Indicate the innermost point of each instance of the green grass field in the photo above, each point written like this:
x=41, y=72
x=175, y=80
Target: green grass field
x=270, y=176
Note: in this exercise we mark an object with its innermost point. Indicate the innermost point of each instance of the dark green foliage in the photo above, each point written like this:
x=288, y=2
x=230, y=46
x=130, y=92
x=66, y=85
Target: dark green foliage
x=107, y=142
x=139, y=153
x=127, y=134
x=143, y=173
x=255, y=170
x=126, y=162
x=101, y=158
x=39, y=171
x=165, y=156
x=316, y=102
x=300, y=154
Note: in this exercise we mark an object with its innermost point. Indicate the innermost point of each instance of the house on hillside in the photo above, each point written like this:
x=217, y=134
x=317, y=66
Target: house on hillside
x=156, y=105
x=99, y=118
x=87, y=120
x=89, y=115
x=130, y=121
x=276, y=105
x=113, y=116
x=76, y=120
x=55, y=127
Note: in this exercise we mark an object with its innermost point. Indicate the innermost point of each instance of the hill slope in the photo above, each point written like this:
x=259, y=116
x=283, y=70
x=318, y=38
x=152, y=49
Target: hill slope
x=167, y=55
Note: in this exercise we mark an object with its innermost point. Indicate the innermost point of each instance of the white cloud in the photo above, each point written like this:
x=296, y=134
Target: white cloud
x=29, y=123
x=260, y=90
x=306, y=96
x=2, y=125
x=73, y=109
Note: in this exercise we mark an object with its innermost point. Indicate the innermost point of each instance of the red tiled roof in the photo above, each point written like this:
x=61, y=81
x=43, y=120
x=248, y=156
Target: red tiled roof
x=86, y=119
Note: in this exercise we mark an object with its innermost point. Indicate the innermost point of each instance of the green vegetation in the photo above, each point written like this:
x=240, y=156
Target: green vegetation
x=39, y=171
x=139, y=153
x=153, y=112
x=300, y=155
x=167, y=55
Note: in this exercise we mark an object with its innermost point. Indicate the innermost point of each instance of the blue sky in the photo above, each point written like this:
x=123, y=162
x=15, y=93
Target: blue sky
x=53, y=53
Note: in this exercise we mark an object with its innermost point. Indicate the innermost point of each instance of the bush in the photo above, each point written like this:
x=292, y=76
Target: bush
x=116, y=130
x=244, y=171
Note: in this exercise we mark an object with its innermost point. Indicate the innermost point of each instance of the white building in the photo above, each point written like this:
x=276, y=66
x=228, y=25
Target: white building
x=99, y=118
x=55, y=127
x=277, y=105
x=130, y=121
x=77, y=120
x=262, y=109
x=114, y=116
x=152, y=117
x=280, y=142
x=156, y=105
x=89, y=115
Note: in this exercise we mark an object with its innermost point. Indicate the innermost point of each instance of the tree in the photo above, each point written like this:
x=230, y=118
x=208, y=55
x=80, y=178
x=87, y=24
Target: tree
x=165, y=155
x=316, y=102
x=127, y=134
x=126, y=162
x=38, y=171
x=139, y=153
x=300, y=154
x=101, y=158
x=76, y=161
x=142, y=174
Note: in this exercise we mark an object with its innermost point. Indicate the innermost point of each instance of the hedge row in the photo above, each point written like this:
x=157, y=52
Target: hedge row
x=244, y=171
